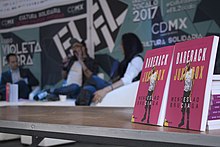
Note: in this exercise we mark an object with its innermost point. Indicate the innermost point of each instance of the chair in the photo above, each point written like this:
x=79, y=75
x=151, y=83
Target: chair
x=124, y=96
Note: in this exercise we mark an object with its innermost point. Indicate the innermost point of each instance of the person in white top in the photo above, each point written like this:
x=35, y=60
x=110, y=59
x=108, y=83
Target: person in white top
x=188, y=77
x=153, y=79
x=129, y=70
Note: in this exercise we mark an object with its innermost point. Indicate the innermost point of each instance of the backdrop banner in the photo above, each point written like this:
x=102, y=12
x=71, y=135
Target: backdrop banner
x=41, y=38
x=38, y=31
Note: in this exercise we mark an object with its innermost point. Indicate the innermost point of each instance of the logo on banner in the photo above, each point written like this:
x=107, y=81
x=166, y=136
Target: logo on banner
x=107, y=20
x=164, y=27
x=63, y=37
x=76, y=28
x=23, y=49
x=105, y=27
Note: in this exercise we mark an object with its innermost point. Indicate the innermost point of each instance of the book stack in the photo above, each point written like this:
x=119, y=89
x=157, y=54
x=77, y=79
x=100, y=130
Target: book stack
x=176, y=84
x=214, y=109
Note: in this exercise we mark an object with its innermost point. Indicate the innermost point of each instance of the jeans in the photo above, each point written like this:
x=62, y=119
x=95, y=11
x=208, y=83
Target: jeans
x=92, y=85
x=96, y=84
x=71, y=90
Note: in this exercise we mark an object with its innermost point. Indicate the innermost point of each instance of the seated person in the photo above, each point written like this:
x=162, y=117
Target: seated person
x=76, y=70
x=17, y=75
x=129, y=70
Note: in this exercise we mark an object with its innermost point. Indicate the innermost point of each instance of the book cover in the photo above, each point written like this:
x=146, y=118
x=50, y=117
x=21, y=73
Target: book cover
x=190, y=83
x=152, y=92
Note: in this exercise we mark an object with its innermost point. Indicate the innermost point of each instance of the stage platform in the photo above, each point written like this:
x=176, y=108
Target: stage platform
x=104, y=125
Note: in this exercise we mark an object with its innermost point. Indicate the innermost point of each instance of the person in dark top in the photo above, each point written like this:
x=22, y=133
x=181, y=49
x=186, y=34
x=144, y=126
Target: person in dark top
x=17, y=75
x=129, y=70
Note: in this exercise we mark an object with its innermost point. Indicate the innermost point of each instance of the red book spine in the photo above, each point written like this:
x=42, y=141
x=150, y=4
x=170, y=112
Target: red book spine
x=7, y=92
x=216, y=96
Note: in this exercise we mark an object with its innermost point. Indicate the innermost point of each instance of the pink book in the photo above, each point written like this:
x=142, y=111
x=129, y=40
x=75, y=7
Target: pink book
x=152, y=92
x=190, y=85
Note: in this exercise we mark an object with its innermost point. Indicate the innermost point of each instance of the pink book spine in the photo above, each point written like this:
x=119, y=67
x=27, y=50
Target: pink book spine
x=215, y=102
x=216, y=96
x=215, y=107
x=213, y=117
x=216, y=112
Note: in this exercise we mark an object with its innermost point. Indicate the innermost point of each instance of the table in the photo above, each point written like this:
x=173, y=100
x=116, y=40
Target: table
x=106, y=125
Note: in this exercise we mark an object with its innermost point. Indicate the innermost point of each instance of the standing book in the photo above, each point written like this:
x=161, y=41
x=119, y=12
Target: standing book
x=152, y=93
x=190, y=83
x=214, y=111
